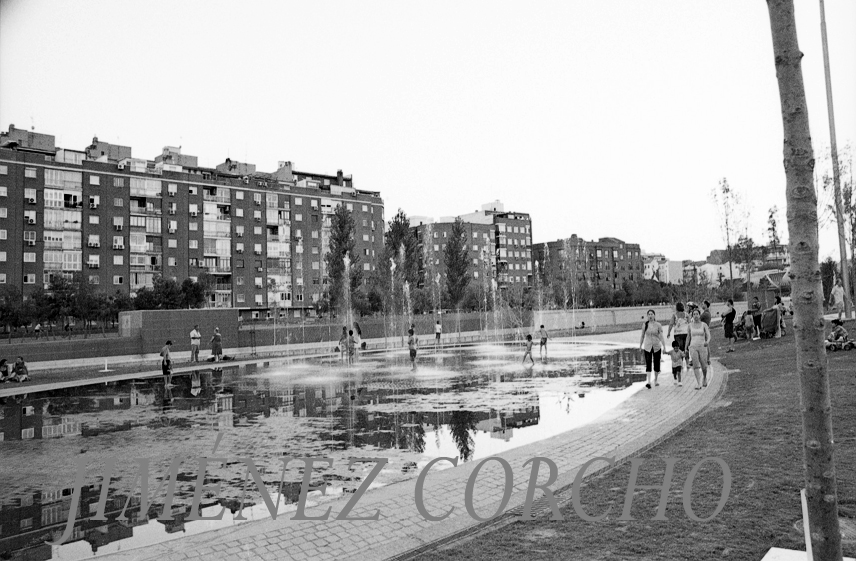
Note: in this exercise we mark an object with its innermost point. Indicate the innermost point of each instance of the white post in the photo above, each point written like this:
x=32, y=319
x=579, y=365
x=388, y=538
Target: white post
x=105, y=367
x=806, y=529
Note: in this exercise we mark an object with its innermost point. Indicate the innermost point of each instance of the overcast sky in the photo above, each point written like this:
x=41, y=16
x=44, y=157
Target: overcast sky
x=599, y=118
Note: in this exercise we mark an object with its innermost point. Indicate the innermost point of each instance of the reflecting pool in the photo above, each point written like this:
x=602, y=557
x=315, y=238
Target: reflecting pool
x=471, y=402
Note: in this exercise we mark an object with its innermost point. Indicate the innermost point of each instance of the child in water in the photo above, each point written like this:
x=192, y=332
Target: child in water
x=677, y=356
x=528, y=350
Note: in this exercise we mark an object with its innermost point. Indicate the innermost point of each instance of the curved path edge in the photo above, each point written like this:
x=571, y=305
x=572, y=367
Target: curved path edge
x=633, y=427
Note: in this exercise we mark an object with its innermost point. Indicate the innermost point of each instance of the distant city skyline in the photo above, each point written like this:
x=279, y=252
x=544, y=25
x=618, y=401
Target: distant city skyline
x=577, y=114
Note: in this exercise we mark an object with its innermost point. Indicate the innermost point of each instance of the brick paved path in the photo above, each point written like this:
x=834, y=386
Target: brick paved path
x=638, y=423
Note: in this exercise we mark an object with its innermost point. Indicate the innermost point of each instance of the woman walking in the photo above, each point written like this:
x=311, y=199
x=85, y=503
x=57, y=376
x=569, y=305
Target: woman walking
x=166, y=363
x=680, y=324
x=652, y=342
x=698, y=344
x=217, y=345
x=728, y=325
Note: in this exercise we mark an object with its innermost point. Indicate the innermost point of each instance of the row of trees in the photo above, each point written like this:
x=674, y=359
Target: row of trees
x=65, y=300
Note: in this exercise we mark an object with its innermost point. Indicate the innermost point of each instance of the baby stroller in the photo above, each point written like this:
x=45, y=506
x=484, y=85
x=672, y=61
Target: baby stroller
x=740, y=331
x=769, y=323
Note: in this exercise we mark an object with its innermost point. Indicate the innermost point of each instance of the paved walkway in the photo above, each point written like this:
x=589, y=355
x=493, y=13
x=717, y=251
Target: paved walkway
x=638, y=423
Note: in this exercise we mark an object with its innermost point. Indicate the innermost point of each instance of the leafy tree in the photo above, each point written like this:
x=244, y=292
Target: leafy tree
x=192, y=294
x=828, y=272
x=457, y=260
x=208, y=283
x=462, y=425
x=167, y=293
x=145, y=299
x=342, y=243
x=400, y=237
x=727, y=202
x=421, y=300
x=10, y=307
x=773, y=228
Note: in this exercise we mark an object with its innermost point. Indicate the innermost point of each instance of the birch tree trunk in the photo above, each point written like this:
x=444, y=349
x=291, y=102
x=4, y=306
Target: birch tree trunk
x=821, y=488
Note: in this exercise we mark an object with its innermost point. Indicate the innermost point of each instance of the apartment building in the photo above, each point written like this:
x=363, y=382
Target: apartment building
x=120, y=221
x=607, y=262
x=500, y=244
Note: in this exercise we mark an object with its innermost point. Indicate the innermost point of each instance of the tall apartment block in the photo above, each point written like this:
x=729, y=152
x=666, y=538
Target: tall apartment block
x=607, y=262
x=500, y=244
x=121, y=221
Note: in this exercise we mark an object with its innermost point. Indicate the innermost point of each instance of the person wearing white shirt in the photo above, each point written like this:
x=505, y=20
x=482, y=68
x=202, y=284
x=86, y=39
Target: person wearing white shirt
x=195, y=342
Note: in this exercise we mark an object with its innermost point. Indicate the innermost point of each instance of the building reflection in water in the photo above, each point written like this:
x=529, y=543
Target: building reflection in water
x=374, y=410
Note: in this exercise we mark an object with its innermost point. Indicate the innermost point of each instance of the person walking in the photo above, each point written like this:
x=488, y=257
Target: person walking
x=195, y=342
x=343, y=343
x=438, y=330
x=358, y=336
x=352, y=346
x=728, y=325
x=542, y=333
x=217, y=345
x=680, y=323
x=528, y=351
x=166, y=363
x=652, y=342
x=677, y=356
x=413, y=345
x=38, y=330
x=836, y=298
x=756, y=317
x=705, y=313
x=698, y=343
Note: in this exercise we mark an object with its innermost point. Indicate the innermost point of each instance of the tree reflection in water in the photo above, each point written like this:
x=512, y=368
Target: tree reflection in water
x=461, y=424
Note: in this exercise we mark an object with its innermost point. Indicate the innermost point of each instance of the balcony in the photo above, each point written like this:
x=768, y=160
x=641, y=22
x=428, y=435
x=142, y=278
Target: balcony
x=223, y=288
x=145, y=268
x=54, y=244
x=220, y=270
x=221, y=199
x=93, y=265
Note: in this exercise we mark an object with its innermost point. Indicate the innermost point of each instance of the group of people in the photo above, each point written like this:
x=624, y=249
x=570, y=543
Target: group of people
x=195, y=343
x=542, y=348
x=691, y=327
x=17, y=373
x=349, y=342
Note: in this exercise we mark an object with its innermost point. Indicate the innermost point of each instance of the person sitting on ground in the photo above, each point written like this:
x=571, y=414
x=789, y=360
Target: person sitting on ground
x=838, y=332
x=4, y=371
x=19, y=371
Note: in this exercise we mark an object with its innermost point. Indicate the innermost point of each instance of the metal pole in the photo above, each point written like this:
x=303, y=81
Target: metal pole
x=836, y=179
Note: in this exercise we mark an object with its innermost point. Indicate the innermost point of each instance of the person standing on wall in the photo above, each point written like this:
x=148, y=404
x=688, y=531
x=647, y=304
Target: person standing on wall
x=195, y=342
x=652, y=342
x=217, y=345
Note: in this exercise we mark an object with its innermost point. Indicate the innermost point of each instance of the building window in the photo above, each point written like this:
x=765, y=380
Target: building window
x=117, y=279
x=30, y=278
x=298, y=200
x=2, y=278
x=3, y=192
x=194, y=244
x=193, y=226
x=172, y=244
x=29, y=257
x=118, y=260
x=3, y=212
x=118, y=182
x=94, y=180
x=118, y=242
x=259, y=300
x=93, y=279
x=239, y=195
x=349, y=206
x=241, y=298
x=4, y=170
x=366, y=267
x=93, y=219
x=2, y=256
x=257, y=230
x=239, y=212
x=171, y=189
x=31, y=173
x=365, y=237
x=171, y=261
x=117, y=202
x=3, y=234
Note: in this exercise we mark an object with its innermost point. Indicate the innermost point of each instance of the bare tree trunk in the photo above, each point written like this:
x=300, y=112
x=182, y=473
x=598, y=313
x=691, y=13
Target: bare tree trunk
x=818, y=450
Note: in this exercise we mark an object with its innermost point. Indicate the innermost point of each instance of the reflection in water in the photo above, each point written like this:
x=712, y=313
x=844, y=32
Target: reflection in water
x=472, y=404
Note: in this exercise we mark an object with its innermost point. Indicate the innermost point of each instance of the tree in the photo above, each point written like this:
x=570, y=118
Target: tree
x=192, y=294
x=462, y=425
x=773, y=228
x=727, y=202
x=747, y=253
x=828, y=272
x=341, y=244
x=818, y=450
x=208, y=283
x=145, y=299
x=400, y=237
x=10, y=307
x=457, y=260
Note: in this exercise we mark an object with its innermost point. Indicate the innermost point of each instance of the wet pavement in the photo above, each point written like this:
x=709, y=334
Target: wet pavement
x=472, y=404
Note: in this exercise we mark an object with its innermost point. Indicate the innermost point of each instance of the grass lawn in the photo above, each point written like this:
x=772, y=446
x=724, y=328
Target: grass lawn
x=756, y=428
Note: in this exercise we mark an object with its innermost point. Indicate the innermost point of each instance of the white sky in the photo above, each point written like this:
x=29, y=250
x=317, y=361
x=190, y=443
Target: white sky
x=599, y=118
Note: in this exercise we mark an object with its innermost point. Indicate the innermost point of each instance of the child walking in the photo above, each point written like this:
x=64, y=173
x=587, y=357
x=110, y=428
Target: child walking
x=413, y=345
x=677, y=356
x=528, y=351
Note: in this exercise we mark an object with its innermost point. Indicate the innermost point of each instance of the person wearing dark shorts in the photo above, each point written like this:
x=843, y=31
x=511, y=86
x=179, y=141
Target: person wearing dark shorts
x=412, y=344
x=728, y=325
x=542, y=333
x=677, y=356
x=166, y=362
x=756, y=316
